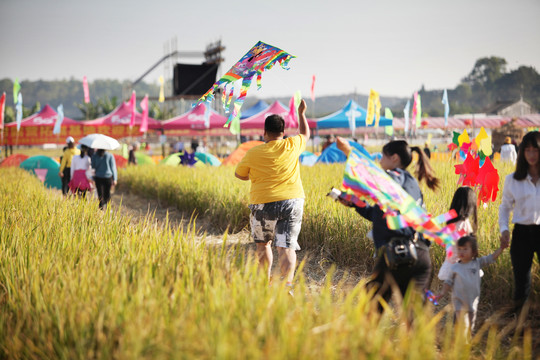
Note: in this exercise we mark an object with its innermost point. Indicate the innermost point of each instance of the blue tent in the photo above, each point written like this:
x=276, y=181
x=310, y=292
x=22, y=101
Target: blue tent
x=332, y=154
x=45, y=168
x=340, y=119
x=255, y=109
x=308, y=158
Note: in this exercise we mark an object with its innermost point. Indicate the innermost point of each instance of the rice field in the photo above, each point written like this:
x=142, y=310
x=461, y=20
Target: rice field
x=79, y=283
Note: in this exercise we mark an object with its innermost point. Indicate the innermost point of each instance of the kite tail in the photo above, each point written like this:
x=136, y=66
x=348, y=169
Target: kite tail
x=229, y=98
x=246, y=83
x=259, y=79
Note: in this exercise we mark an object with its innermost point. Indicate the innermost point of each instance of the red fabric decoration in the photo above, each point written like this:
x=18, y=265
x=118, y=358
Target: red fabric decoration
x=424, y=123
x=468, y=171
x=488, y=179
x=468, y=122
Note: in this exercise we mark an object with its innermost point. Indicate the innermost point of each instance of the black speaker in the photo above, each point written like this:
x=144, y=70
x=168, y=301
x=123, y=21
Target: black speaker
x=190, y=79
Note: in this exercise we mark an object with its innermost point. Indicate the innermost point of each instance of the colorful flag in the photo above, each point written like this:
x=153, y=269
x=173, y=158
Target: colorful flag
x=85, y=89
x=419, y=112
x=132, y=106
x=388, y=130
x=144, y=120
x=377, y=110
x=16, y=89
x=2, y=109
x=19, y=108
x=313, y=88
x=370, y=107
x=161, y=90
x=406, y=116
x=446, y=107
x=258, y=59
x=59, y=119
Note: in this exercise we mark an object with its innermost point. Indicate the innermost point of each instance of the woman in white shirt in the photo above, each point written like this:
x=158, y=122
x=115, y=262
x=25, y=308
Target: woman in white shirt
x=81, y=172
x=521, y=195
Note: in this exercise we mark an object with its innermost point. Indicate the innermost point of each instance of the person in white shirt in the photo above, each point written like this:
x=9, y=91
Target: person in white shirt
x=521, y=195
x=508, y=151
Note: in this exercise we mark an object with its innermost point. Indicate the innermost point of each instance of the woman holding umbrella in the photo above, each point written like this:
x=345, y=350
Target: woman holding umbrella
x=104, y=165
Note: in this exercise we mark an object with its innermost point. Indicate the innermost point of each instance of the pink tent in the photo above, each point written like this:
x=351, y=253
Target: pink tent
x=46, y=117
x=257, y=121
x=121, y=116
x=194, y=119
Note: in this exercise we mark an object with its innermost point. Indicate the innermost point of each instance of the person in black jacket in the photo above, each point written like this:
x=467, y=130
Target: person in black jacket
x=397, y=156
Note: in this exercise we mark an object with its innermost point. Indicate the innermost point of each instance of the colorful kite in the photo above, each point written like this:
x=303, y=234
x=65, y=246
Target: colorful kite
x=261, y=57
x=368, y=182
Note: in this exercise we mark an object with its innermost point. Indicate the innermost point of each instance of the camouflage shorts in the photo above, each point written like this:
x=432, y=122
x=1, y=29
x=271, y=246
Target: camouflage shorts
x=278, y=221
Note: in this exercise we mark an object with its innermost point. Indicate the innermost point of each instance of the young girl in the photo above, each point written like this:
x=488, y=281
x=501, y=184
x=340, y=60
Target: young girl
x=464, y=203
x=396, y=157
x=464, y=279
x=521, y=194
x=80, y=172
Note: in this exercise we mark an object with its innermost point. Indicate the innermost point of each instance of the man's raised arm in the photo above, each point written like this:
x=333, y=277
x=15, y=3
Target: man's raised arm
x=303, y=127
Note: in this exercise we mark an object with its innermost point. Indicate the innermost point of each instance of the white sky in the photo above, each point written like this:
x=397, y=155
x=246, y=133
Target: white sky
x=391, y=46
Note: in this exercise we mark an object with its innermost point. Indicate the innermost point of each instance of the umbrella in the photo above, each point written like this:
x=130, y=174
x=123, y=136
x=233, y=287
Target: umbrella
x=100, y=141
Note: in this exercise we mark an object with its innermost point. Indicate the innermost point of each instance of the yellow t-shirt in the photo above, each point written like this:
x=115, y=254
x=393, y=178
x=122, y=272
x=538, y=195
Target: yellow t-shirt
x=274, y=170
x=67, y=157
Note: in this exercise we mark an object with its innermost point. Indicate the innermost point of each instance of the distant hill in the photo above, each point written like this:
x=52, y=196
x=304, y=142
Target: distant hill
x=487, y=83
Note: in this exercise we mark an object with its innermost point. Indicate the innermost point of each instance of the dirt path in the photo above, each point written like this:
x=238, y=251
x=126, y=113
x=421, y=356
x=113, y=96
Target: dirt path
x=138, y=208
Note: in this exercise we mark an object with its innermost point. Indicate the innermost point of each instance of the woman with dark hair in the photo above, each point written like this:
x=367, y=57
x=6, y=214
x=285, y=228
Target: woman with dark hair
x=396, y=157
x=80, y=172
x=105, y=175
x=521, y=196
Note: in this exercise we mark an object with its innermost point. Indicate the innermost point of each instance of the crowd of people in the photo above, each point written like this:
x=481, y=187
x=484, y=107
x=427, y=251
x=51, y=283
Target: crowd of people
x=84, y=169
x=276, y=207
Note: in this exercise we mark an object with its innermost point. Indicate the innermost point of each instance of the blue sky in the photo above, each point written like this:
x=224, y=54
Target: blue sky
x=394, y=47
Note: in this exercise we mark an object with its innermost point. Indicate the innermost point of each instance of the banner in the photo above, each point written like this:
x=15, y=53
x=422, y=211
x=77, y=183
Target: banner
x=446, y=107
x=16, y=89
x=58, y=124
x=144, y=121
x=2, y=109
x=85, y=89
x=132, y=106
x=388, y=130
x=406, y=116
x=161, y=90
x=313, y=88
x=19, y=109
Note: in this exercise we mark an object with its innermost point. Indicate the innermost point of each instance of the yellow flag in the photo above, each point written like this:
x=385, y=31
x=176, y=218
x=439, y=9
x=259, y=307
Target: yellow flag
x=161, y=91
x=377, y=110
x=371, y=107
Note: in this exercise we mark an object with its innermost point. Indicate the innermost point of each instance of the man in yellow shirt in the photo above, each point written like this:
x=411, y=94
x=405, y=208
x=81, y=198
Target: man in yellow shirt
x=65, y=164
x=276, y=194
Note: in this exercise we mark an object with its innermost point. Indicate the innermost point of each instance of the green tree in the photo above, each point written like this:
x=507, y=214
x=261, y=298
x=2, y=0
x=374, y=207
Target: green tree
x=486, y=71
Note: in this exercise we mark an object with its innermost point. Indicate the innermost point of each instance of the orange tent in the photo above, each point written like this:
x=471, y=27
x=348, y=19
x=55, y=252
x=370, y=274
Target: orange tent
x=121, y=162
x=13, y=160
x=239, y=153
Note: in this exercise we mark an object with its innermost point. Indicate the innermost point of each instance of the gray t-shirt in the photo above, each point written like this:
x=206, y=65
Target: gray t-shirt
x=465, y=282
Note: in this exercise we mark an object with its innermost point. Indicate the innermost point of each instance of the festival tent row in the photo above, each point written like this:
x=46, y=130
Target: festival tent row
x=488, y=122
x=38, y=128
x=344, y=116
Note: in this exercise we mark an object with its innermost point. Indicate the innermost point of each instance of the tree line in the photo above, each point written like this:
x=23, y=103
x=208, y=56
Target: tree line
x=488, y=82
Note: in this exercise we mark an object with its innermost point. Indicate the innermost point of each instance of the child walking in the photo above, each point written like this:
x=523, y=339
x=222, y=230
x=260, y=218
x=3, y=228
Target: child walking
x=464, y=280
x=464, y=203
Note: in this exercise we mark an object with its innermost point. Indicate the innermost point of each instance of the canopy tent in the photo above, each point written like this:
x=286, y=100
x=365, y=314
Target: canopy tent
x=45, y=168
x=195, y=119
x=257, y=121
x=237, y=155
x=38, y=129
x=255, y=109
x=332, y=154
x=116, y=123
x=340, y=118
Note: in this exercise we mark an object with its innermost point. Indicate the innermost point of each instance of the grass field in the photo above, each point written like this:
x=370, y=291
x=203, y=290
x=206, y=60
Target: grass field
x=76, y=282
